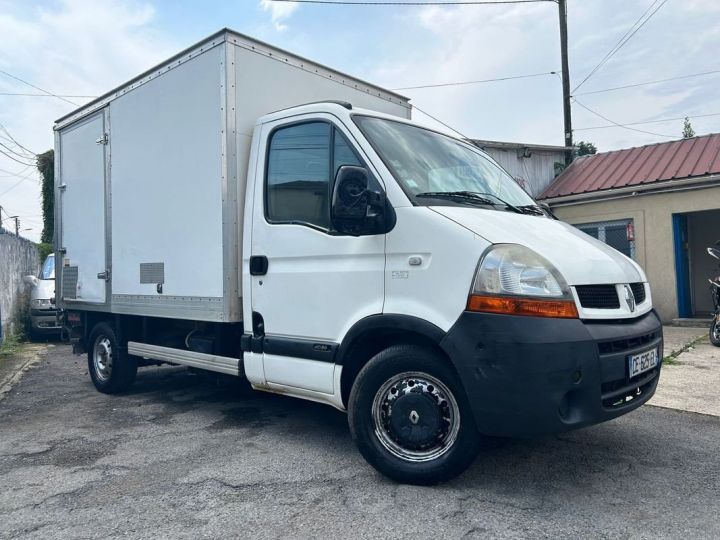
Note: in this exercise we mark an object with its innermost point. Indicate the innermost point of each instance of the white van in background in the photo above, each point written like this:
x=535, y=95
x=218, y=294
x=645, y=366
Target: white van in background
x=243, y=210
x=43, y=312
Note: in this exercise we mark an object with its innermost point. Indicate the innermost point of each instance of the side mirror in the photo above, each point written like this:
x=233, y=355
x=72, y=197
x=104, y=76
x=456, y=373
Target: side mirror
x=357, y=210
x=32, y=281
x=714, y=252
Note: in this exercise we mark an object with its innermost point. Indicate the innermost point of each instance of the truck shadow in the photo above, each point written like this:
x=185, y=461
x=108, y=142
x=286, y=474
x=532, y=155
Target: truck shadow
x=611, y=457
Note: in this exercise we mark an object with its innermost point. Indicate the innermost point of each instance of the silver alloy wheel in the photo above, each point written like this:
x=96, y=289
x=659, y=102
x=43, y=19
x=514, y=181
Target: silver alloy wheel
x=716, y=328
x=416, y=417
x=103, y=358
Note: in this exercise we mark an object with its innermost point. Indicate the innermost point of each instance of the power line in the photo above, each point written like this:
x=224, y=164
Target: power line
x=9, y=156
x=16, y=184
x=661, y=120
x=44, y=95
x=390, y=3
x=615, y=47
x=441, y=122
x=19, y=173
x=635, y=85
x=476, y=82
x=16, y=153
x=37, y=87
x=637, y=25
x=15, y=141
x=617, y=124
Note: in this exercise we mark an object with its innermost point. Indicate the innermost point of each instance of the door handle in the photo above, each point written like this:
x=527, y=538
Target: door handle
x=258, y=265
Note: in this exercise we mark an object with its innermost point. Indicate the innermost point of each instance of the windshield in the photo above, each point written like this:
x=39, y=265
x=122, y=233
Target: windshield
x=426, y=162
x=48, y=269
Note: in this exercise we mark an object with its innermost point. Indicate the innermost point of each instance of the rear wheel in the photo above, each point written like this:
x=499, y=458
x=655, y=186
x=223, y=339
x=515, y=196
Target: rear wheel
x=110, y=367
x=410, y=418
x=715, y=331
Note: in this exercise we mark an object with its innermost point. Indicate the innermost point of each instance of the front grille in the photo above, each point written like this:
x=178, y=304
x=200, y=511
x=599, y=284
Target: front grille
x=638, y=290
x=622, y=345
x=621, y=392
x=598, y=296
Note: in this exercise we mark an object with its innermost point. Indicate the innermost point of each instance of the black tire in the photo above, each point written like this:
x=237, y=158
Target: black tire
x=715, y=331
x=432, y=462
x=34, y=336
x=114, y=372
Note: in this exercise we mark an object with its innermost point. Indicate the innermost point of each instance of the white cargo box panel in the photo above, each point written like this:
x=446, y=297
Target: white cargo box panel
x=150, y=178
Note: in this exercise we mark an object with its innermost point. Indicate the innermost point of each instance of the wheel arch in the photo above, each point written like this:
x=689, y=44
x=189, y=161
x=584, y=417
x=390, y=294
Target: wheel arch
x=374, y=333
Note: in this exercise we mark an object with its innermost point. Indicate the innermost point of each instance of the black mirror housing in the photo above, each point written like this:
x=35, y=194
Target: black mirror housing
x=356, y=209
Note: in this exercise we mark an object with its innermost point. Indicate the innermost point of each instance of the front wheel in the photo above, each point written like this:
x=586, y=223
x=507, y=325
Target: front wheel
x=715, y=331
x=410, y=418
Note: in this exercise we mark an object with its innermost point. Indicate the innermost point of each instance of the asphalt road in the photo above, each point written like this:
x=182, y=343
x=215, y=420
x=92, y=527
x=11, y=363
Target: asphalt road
x=179, y=457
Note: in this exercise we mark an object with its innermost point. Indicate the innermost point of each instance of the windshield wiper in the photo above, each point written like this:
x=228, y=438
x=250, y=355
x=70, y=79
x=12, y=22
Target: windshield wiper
x=465, y=196
x=527, y=209
x=533, y=209
x=481, y=198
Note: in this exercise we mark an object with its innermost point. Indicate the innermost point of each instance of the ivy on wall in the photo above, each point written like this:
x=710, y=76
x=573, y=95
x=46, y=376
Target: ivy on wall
x=46, y=167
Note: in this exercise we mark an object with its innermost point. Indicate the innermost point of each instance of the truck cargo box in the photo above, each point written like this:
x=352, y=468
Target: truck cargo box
x=150, y=177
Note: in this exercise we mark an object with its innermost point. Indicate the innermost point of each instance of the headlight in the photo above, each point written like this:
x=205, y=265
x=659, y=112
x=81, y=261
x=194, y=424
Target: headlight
x=513, y=279
x=517, y=270
x=40, y=303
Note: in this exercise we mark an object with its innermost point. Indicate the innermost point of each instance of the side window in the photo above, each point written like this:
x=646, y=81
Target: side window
x=343, y=154
x=298, y=175
x=302, y=163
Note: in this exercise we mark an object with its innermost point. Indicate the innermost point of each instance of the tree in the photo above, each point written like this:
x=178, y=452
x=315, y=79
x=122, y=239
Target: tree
x=46, y=166
x=688, y=131
x=584, y=148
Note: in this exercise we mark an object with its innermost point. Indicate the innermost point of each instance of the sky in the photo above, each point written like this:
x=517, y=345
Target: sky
x=86, y=47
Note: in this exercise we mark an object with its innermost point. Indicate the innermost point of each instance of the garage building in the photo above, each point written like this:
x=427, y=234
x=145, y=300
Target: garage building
x=660, y=205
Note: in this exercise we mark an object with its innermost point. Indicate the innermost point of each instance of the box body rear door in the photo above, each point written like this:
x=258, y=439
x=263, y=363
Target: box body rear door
x=83, y=186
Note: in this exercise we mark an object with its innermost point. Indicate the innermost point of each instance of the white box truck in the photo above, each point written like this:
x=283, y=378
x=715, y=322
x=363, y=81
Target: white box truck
x=243, y=210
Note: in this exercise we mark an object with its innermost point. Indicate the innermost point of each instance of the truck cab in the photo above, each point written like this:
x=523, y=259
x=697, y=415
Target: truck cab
x=399, y=238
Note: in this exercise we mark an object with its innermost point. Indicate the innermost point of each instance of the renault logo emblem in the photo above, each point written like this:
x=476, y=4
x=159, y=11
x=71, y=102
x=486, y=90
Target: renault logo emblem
x=629, y=298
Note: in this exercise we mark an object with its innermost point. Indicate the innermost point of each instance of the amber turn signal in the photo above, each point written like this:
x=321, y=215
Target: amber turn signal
x=563, y=309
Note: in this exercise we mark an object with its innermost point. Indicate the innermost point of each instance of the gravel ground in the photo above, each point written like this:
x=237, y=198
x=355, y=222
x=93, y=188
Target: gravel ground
x=180, y=457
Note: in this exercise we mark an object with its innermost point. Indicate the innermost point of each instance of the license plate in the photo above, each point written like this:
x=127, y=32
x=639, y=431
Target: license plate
x=645, y=361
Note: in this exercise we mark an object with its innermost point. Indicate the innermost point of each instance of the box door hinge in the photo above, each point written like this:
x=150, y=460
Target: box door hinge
x=102, y=140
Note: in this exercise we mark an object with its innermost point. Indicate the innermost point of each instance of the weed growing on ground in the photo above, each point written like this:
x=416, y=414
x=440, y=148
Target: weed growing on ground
x=9, y=346
x=672, y=358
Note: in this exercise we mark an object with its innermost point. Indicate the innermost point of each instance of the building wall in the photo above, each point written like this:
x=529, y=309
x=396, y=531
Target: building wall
x=533, y=173
x=18, y=257
x=652, y=216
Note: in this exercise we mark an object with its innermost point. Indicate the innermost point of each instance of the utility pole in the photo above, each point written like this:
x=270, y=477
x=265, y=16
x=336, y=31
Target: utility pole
x=567, y=111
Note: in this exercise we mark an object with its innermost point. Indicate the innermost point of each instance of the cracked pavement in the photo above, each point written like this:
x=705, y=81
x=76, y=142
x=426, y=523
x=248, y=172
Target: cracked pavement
x=179, y=456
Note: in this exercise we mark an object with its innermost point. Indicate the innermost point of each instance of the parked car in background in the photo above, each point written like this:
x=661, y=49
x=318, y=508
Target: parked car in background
x=42, y=300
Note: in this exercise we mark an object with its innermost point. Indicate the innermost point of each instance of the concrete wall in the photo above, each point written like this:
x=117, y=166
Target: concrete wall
x=652, y=215
x=18, y=257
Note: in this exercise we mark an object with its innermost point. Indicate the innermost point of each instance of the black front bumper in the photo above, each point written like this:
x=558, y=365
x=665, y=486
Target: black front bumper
x=532, y=375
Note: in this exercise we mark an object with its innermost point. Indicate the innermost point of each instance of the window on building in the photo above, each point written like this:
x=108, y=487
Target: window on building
x=303, y=160
x=619, y=234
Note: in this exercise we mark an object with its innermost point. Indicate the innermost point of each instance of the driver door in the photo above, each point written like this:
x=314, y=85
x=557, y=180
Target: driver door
x=309, y=284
